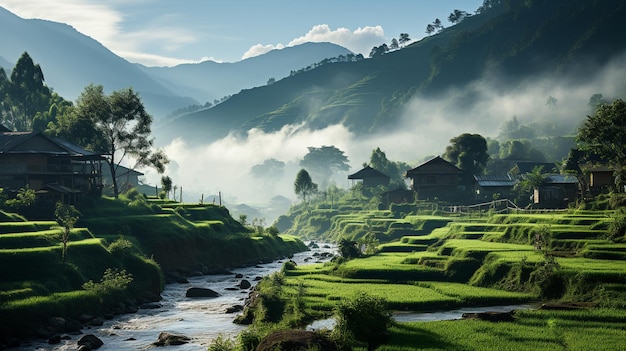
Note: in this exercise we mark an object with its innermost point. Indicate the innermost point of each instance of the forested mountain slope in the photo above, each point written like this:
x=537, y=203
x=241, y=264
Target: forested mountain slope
x=514, y=41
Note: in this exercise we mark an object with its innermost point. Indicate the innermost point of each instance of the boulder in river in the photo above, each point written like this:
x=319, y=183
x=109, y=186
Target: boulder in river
x=201, y=292
x=89, y=342
x=244, y=284
x=167, y=339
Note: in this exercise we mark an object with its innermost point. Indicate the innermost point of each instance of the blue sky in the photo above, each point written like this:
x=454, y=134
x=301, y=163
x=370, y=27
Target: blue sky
x=170, y=32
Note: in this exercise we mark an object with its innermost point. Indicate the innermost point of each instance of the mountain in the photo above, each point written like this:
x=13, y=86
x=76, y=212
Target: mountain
x=70, y=61
x=209, y=80
x=510, y=48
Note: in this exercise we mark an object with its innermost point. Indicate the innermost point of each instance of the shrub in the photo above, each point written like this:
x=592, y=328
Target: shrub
x=112, y=281
x=221, y=343
x=617, y=228
x=363, y=318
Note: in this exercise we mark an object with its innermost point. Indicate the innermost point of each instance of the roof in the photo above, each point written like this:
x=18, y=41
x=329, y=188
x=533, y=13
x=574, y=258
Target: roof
x=39, y=143
x=435, y=165
x=561, y=179
x=367, y=172
x=503, y=180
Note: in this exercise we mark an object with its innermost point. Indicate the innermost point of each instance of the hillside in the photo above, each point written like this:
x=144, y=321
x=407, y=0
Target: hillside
x=504, y=49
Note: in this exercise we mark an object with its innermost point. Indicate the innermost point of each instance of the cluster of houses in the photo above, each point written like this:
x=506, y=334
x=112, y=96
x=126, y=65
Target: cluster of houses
x=54, y=168
x=438, y=179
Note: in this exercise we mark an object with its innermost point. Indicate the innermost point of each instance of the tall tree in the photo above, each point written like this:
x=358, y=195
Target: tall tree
x=124, y=128
x=394, y=44
x=457, y=16
x=603, y=134
x=404, y=39
x=379, y=161
x=323, y=162
x=304, y=186
x=469, y=153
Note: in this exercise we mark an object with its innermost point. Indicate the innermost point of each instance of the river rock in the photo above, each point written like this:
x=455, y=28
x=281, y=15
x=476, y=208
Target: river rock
x=244, y=284
x=166, y=339
x=89, y=342
x=150, y=306
x=201, y=292
x=234, y=309
x=54, y=339
x=238, y=275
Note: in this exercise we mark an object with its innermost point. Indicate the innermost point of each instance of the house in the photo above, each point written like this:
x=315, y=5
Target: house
x=599, y=180
x=492, y=187
x=54, y=168
x=126, y=178
x=557, y=191
x=397, y=196
x=436, y=179
x=371, y=178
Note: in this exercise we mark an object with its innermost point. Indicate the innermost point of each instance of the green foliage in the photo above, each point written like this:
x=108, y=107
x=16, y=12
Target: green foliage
x=66, y=216
x=222, y=343
x=348, y=249
x=617, y=228
x=469, y=153
x=323, y=162
x=363, y=318
x=113, y=281
x=603, y=135
x=304, y=186
x=24, y=199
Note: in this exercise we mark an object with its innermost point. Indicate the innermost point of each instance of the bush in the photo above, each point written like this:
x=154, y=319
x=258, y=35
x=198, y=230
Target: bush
x=112, y=281
x=363, y=318
x=221, y=343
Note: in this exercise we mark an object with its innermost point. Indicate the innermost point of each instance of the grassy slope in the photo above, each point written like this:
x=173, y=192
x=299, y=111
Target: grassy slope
x=488, y=260
x=35, y=283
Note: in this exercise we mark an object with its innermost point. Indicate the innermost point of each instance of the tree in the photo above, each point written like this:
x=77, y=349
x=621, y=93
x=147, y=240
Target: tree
x=394, y=44
x=469, y=153
x=66, y=216
x=437, y=24
x=404, y=39
x=348, y=249
x=304, y=186
x=521, y=150
x=603, y=134
x=364, y=318
x=124, y=126
x=24, y=95
x=457, y=16
x=395, y=170
x=323, y=162
x=166, y=185
x=430, y=29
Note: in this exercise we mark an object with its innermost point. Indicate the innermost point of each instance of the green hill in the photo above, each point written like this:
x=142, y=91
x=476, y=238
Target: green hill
x=514, y=41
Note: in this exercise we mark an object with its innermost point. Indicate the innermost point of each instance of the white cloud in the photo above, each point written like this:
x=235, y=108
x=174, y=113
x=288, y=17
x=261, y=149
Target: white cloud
x=360, y=40
x=260, y=49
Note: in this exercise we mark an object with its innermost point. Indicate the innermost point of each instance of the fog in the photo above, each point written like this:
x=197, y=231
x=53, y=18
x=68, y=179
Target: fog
x=424, y=129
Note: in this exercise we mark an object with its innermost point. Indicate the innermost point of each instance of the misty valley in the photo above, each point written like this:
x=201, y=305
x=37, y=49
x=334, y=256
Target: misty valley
x=461, y=191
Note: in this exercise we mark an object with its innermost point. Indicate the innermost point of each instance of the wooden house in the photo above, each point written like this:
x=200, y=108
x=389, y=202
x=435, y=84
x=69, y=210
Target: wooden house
x=599, y=180
x=492, y=187
x=436, y=179
x=54, y=168
x=557, y=192
x=370, y=177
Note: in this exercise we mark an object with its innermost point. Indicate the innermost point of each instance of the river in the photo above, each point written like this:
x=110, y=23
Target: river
x=200, y=319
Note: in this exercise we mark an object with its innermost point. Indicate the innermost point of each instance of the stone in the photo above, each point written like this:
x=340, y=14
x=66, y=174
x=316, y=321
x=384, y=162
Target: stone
x=244, y=284
x=238, y=275
x=54, y=339
x=234, y=309
x=201, y=292
x=167, y=339
x=90, y=341
x=150, y=306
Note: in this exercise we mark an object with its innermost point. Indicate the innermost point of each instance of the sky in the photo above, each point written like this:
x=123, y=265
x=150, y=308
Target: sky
x=167, y=33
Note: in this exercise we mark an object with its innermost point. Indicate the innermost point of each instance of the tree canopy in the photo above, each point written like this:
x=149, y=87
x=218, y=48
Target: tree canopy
x=603, y=135
x=469, y=153
x=395, y=170
x=119, y=127
x=304, y=186
x=323, y=162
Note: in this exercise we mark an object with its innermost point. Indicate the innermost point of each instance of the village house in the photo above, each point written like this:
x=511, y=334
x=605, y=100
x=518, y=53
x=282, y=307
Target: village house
x=437, y=179
x=493, y=187
x=53, y=168
x=557, y=191
x=370, y=177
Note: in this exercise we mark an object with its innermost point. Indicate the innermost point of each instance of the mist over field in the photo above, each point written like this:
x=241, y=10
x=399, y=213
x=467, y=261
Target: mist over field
x=426, y=126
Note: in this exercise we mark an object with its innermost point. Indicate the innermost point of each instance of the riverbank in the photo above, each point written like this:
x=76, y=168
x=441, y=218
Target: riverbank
x=202, y=320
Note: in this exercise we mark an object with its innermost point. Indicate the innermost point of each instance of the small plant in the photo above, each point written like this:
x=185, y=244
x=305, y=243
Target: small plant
x=112, y=281
x=66, y=217
x=363, y=318
x=221, y=343
x=120, y=247
x=24, y=199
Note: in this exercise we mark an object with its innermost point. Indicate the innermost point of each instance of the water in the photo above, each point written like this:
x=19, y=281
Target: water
x=399, y=316
x=202, y=320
